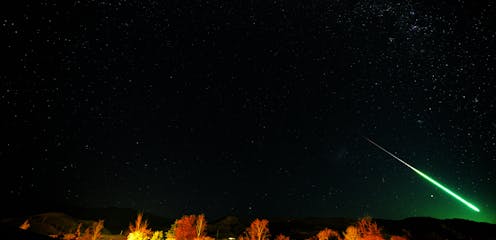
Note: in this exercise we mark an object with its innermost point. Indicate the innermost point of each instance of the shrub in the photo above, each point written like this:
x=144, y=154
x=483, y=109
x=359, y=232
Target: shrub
x=25, y=225
x=158, y=235
x=368, y=229
x=351, y=233
x=326, y=233
x=94, y=232
x=139, y=230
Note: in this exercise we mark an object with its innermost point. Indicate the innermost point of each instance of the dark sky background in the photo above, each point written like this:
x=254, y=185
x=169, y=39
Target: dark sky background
x=251, y=108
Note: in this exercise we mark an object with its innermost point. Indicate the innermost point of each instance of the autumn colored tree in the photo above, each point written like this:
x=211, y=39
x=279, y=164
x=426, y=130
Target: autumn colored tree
x=189, y=227
x=170, y=234
x=282, y=237
x=327, y=233
x=157, y=235
x=140, y=225
x=201, y=226
x=258, y=230
x=324, y=234
x=94, y=232
x=137, y=236
x=97, y=230
x=368, y=229
x=186, y=229
x=139, y=230
x=351, y=233
x=77, y=233
x=74, y=236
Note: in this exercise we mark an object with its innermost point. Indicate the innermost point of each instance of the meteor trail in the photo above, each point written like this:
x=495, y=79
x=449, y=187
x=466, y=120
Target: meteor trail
x=471, y=206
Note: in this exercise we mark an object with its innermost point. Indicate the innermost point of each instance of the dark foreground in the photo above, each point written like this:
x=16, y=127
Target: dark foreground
x=117, y=221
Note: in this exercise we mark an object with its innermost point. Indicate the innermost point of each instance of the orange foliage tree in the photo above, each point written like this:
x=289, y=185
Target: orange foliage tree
x=140, y=228
x=327, y=233
x=97, y=230
x=258, y=230
x=185, y=228
x=94, y=232
x=201, y=226
x=351, y=233
x=190, y=227
x=368, y=229
x=77, y=233
x=140, y=225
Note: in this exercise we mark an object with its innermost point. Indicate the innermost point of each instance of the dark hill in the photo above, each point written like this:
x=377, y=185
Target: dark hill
x=431, y=228
x=421, y=228
x=118, y=219
x=64, y=218
x=50, y=223
x=14, y=233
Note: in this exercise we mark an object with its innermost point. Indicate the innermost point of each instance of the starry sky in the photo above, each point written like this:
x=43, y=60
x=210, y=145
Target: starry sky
x=250, y=108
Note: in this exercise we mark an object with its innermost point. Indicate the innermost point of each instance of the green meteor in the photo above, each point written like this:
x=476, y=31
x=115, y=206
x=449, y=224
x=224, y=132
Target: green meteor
x=439, y=185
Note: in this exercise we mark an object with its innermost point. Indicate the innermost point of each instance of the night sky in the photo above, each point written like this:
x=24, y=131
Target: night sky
x=250, y=108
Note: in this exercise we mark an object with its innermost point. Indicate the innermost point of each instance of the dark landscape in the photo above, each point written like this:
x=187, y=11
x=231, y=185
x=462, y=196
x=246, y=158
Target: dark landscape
x=117, y=221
